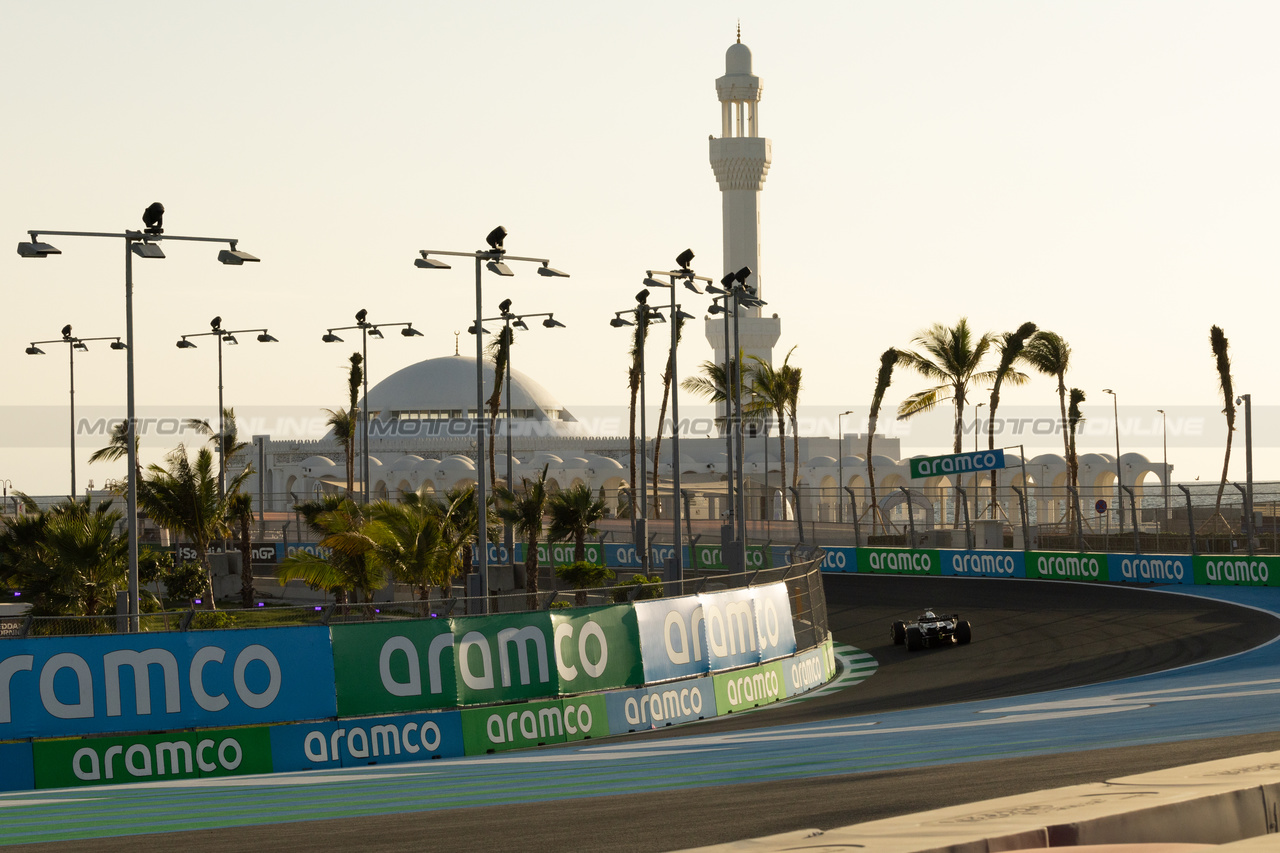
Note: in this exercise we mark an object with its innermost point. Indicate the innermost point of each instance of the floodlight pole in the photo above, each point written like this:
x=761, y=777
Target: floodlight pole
x=221, y=334
x=72, y=341
x=131, y=240
x=496, y=255
x=365, y=328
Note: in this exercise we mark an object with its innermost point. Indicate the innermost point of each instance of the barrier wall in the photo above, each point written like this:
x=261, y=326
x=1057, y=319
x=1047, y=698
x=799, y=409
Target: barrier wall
x=114, y=709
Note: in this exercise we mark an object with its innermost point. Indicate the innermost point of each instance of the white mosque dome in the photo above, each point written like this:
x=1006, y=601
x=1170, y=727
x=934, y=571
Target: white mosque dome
x=444, y=388
x=737, y=59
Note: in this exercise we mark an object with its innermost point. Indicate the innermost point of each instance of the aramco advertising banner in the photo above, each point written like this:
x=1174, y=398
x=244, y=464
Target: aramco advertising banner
x=1238, y=570
x=956, y=463
x=471, y=660
x=52, y=686
x=1067, y=566
x=698, y=634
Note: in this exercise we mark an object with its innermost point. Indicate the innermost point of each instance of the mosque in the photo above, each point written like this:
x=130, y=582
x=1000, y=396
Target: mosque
x=423, y=437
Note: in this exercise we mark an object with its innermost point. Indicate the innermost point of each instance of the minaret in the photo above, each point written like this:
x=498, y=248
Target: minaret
x=740, y=158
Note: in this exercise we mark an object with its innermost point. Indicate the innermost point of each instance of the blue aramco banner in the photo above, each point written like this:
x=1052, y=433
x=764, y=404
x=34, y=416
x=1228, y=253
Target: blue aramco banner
x=54, y=686
x=984, y=564
x=361, y=741
x=697, y=634
x=663, y=705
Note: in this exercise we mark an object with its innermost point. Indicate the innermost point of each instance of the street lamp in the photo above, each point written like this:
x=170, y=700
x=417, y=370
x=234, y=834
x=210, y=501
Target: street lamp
x=223, y=336
x=493, y=258
x=1164, y=437
x=1247, y=399
x=1115, y=408
x=144, y=245
x=517, y=321
x=73, y=343
x=643, y=314
x=684, y=274
x=366, y=329
x=736, y=293
x=840, y=462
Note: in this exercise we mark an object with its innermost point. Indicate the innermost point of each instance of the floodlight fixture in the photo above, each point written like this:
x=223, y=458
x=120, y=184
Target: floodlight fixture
x=216, y=324
x=119, y=344
x=375, y=332
x=552, y=323
x=727, y=281
x=655, y=317
x=1107, y=391
x=499, y=268
x=504, y=306
x=618, y=322
x=684, y=259
x=495, y=238
x=153, y=218
x=186, y=344
x=471, y=330
x=230, y=339
x=36, y=249
x=331, y=338
x=265, y=338
x=410, y=332
x=426, y=263
x=551, y=271
x=691, y=286
x=742, y=274
x=34, y=350
x=519, y=323
x=683, y=315
x=66, y=331
x=715, y=308
x=643, y=296
x=146, y=250
x=80, y=345
x=653, y=282
x=234, y=257
x=361, y=314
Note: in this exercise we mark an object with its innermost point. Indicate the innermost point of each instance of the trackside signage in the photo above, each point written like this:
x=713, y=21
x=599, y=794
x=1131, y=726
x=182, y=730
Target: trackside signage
x=366, y=740
x=712, y=558
x=1150, y=568
x=749, y=688
x=899, y=561
x=692, y=635
x=55, y=686
x=625, y=555
x=444, y=663
x=663, y=705
x=805, y=672
x=1238, y=570
x=68, y=763
x=533, y=724
x=983, y=564
x=17, y=772
x=956, y=463
x=1067, y=566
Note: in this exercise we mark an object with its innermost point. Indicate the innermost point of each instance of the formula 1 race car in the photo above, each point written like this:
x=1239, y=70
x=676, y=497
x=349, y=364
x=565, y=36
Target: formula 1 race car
x=930, y=629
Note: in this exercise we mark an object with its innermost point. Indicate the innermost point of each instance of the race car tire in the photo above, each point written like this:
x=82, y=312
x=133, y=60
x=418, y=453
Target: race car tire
x=915, y=639
x=898, y=631
x=964, y=632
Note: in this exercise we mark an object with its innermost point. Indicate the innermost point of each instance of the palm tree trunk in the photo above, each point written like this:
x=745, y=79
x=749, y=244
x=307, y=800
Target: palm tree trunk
x=657, y=440
x=531, y=574
x=871, y=474
x=1222, y=484
x=246, y=564
x=635, y=391
x=202, y=554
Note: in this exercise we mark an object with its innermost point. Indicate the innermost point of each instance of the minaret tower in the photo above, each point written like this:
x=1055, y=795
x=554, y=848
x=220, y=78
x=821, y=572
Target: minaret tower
x=740, y=158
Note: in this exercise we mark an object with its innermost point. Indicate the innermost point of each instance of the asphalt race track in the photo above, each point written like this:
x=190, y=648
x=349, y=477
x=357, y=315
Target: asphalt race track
x=681, y=787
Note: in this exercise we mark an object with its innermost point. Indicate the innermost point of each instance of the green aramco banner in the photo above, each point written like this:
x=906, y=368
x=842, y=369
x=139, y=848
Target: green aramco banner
x=956, y=463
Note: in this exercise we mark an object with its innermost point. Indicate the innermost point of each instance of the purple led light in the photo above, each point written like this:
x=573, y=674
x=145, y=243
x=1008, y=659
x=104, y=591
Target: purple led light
x=198, y=601
x=319, y=608
x=261, y=604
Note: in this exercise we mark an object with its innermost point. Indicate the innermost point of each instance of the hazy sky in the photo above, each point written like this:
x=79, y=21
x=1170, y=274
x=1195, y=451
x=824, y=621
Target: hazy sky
x=1105, y=169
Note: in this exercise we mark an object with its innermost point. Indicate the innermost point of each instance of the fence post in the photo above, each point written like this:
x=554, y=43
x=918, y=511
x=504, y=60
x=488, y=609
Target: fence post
x=1075, y=506
x=911, y=517
x=968, y=529
x=1022, y=514
x=853, y=504
x=1247, y=527
x=1133, y=513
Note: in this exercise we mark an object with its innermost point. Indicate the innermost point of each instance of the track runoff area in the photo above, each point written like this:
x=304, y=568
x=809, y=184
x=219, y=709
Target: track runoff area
x=1063, y=683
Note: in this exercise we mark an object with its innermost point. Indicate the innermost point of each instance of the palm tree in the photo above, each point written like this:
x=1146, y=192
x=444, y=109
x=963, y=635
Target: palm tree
x=884, y=376
x=184, y=498
x=1074, y=418
x=229, y=438
x=668, y=374
x=581, y=576
x=456, y=517
x=240, y=512
x=408, y=542
x=117, y=447
x=1048, y=353
x=346, y=422
x=525, y=512
x=792, y=378
x=500, y=352
x=952, y=358
x=1010, y=347
x=640, y=334
x=69, y=560
x=574, y=512
x=350, y=565
x=1222, y=360
x=769, y=394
